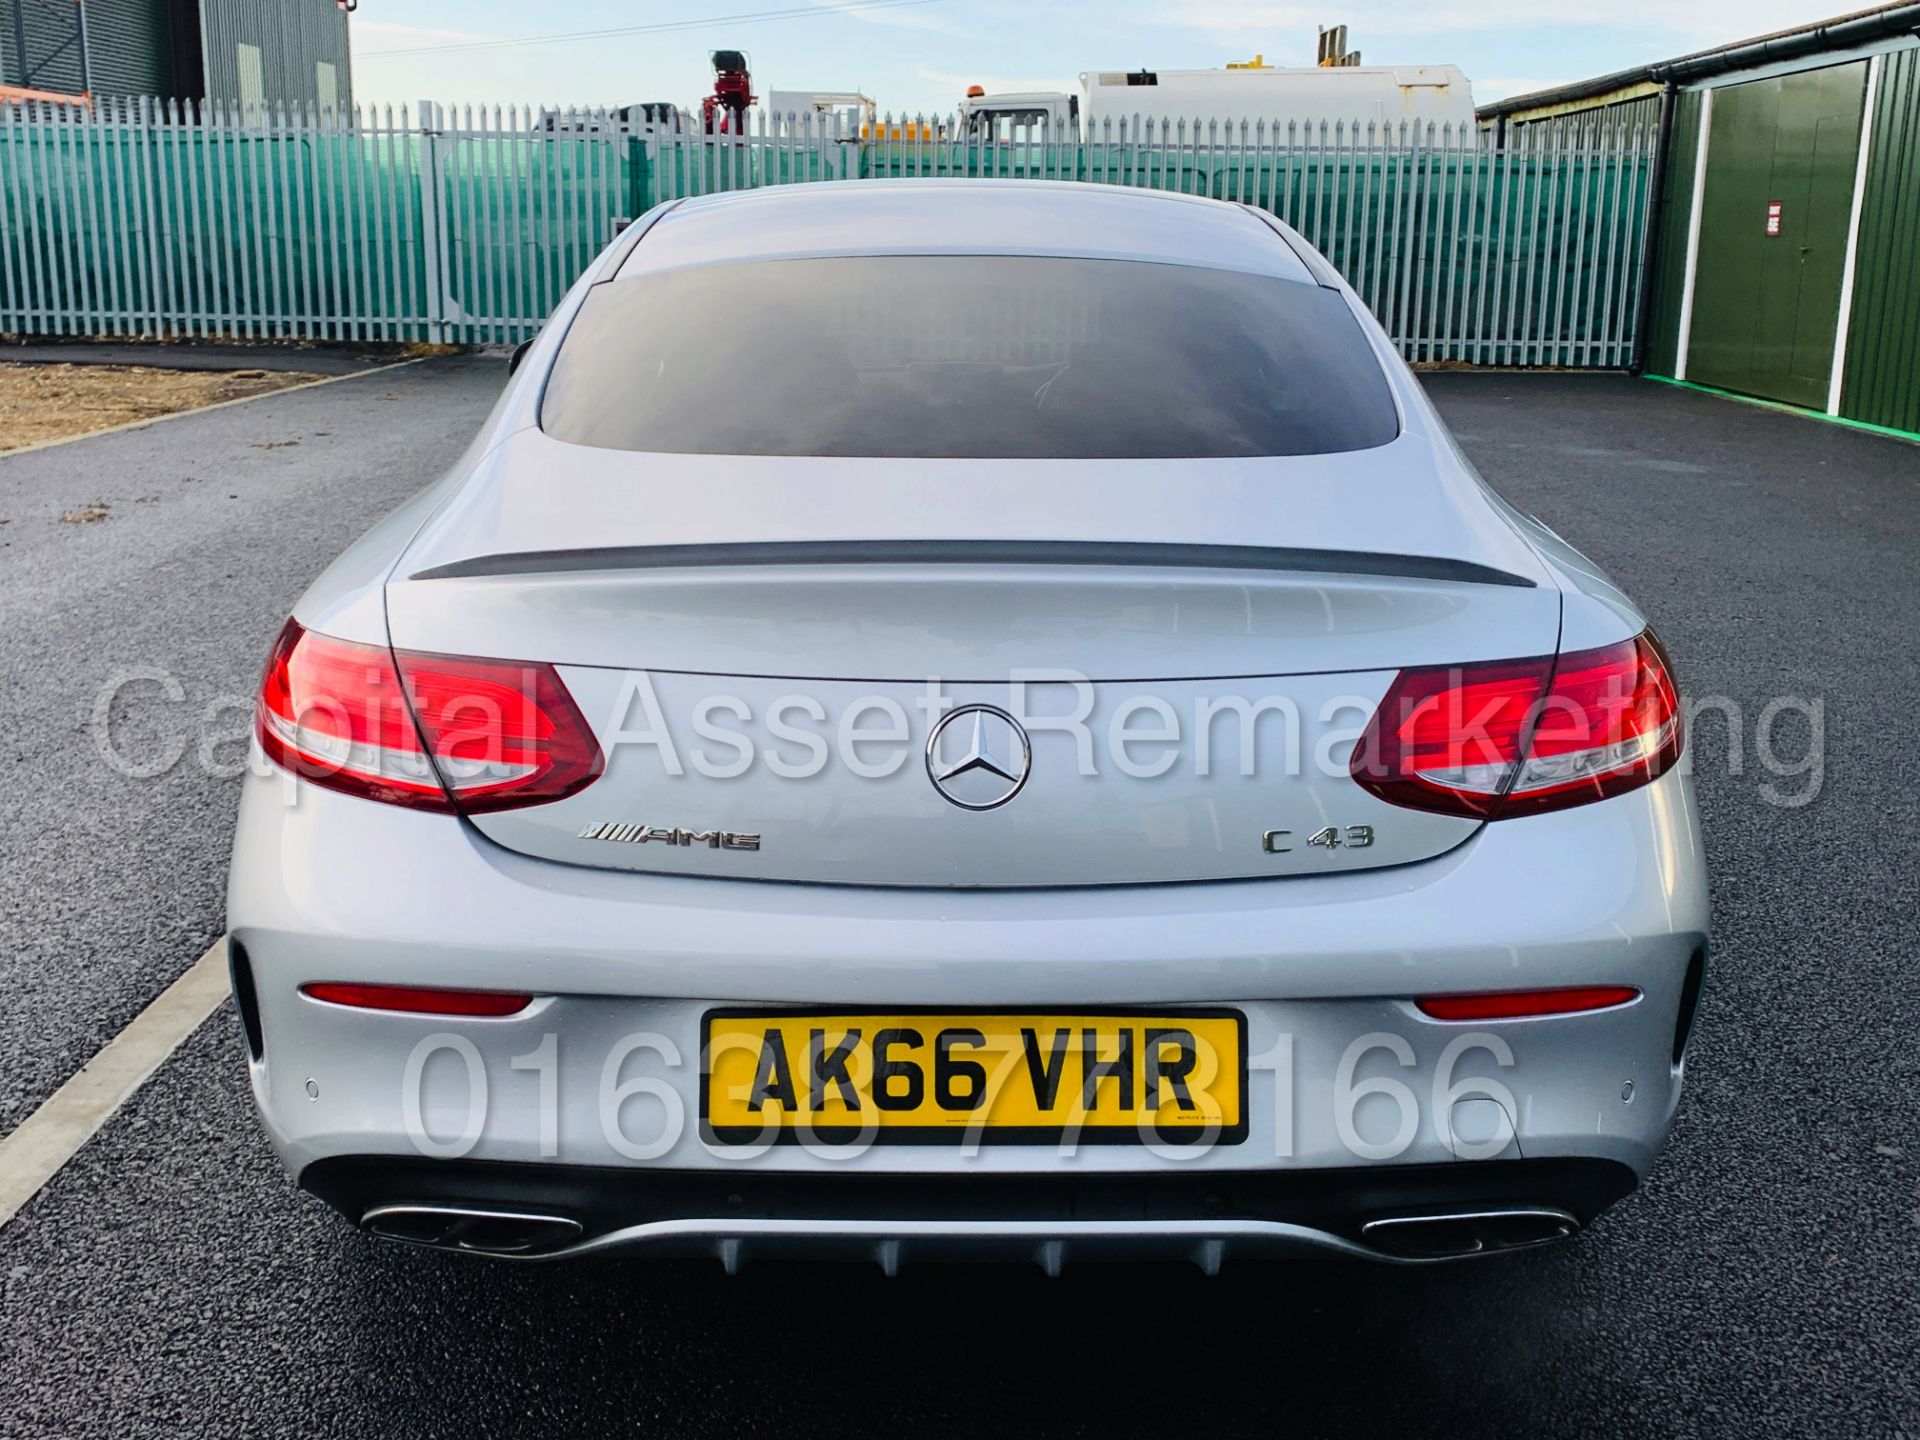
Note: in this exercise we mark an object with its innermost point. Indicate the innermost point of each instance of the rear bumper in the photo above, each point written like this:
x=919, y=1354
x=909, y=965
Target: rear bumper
x=1045, y=1218
x=336, y=888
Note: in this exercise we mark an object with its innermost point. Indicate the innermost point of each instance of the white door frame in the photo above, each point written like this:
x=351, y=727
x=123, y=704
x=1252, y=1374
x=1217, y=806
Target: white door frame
x=1853, y=239
x=1693, y=235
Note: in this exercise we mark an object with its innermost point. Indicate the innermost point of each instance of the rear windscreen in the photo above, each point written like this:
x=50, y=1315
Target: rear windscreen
x=989, y=357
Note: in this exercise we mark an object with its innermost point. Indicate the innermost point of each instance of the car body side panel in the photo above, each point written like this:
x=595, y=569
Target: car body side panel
x=1595, y=611
x=347, y=599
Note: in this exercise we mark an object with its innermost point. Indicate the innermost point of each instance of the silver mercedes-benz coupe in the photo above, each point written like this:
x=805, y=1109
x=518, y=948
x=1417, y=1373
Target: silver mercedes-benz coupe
x=966, y=718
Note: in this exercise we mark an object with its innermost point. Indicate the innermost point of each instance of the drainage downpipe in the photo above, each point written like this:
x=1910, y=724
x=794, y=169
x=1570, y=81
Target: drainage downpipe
x=1656, y=230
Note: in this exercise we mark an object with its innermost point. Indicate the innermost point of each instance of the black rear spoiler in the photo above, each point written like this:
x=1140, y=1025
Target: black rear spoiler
x=975, y=552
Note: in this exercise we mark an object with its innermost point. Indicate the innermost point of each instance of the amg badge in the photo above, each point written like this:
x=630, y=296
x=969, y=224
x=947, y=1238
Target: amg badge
x=620, y=833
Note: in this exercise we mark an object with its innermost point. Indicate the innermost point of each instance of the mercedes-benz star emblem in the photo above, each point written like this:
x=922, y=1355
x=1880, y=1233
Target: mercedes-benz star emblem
x=991, y=765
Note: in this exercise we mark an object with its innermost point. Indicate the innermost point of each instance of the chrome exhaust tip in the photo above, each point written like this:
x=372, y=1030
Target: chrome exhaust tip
x=477, y=1231
x=1456, y=1234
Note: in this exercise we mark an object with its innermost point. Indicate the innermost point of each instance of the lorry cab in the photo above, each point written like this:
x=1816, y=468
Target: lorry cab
x=1019, y=115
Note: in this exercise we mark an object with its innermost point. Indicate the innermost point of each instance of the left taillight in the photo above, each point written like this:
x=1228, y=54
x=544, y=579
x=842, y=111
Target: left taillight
x=453, y=734
x=419, y=999
x=1496, y=740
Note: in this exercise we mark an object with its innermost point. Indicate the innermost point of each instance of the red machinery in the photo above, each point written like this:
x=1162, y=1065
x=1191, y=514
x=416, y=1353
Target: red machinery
x=725, y=110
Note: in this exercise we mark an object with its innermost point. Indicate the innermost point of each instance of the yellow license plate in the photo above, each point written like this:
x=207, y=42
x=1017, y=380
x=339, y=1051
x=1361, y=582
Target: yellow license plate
x=941, y=1077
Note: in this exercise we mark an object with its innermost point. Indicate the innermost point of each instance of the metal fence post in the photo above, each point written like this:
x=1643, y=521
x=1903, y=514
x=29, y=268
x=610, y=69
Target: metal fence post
x=432, y=223
x=156, y=306
x=636, y=150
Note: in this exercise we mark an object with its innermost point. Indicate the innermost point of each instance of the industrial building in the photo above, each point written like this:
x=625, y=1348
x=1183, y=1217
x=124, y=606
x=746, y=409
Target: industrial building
x=273, y=52
x=1785, y=233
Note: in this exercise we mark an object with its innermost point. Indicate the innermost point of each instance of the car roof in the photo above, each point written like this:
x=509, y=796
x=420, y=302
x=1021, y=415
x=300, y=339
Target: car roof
x=962, y=217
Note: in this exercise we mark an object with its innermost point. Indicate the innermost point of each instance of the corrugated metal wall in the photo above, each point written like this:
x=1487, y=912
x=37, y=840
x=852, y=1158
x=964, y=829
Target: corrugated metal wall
x=1643, y=110
x=1670, y=265
x=292, y=35
x=128, y=52
x=51, y=53
x=1882, y=385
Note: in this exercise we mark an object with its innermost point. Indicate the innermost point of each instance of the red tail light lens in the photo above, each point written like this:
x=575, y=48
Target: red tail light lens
x=1525, y=1004
x=1611, y=722
x=1447, y=739
x=418, y=1000
x=1518, y=737
x=503, y=733
x=433, y=732
x=333, y=712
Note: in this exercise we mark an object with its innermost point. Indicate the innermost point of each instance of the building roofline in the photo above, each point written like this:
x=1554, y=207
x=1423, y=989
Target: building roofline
x=1840, y=32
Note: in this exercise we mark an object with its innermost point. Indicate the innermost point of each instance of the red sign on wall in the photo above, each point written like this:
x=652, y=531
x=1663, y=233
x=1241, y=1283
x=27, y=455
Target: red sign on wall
x=1773, y=217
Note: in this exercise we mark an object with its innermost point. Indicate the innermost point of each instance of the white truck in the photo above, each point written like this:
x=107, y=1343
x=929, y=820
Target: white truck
x=1019, y=114
x=851, y=111
x=1305, y=96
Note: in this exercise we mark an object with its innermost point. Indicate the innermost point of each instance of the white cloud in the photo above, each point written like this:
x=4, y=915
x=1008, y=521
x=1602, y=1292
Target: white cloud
x=371, y=37
x=956, y=85
x=1499, y=87
x=910, y=16
x=1708, y=21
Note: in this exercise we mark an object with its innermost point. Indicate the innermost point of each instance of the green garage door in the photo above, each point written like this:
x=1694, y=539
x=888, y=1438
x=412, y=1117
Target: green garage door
x=1773, y=233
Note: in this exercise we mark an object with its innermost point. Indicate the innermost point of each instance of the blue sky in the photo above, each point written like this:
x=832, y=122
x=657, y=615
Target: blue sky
x=919, y=55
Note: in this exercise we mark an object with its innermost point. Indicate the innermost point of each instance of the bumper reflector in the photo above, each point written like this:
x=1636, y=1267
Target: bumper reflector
x=417, y=1000
x=1524, y=1004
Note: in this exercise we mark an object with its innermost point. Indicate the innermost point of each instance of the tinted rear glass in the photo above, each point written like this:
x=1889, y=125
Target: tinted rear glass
x=970, y=356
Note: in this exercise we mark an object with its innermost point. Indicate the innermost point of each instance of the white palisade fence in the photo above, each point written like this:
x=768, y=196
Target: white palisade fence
x=141, y=217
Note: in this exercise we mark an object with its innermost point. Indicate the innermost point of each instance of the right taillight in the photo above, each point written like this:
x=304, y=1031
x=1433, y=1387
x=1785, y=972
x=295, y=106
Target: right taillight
x=1526, y=1004
x=431, y=732
x=1495, y=740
